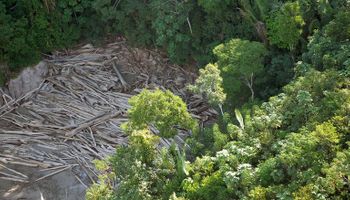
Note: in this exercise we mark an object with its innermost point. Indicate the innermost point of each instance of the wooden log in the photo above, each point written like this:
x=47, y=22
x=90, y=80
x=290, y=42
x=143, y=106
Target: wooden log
x=94, y=121
x=123, y=82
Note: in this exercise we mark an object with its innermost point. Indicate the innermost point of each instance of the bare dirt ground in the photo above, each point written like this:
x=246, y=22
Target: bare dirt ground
x=50, y=136
x=62, y=186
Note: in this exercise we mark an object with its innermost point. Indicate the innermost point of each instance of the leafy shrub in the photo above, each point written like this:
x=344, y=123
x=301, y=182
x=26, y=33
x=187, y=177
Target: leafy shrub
x=209, y=85
x=285, y=26
x=163, y=110
x=330, y=47
x=240, y=61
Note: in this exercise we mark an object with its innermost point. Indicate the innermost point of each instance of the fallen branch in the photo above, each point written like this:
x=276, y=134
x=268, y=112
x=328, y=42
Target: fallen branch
x=51, y=174
x=123, y=82
x=94, y=121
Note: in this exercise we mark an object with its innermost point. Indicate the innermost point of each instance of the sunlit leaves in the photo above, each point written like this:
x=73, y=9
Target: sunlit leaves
x=239, y=61
x=209, y=84
x=162, y=110
x=285, y=26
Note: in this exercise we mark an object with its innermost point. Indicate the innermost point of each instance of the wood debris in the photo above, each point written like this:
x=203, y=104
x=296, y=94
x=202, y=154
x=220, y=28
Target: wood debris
x=74, y=116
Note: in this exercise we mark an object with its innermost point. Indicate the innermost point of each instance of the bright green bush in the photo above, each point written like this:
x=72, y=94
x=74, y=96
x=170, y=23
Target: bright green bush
x=162, y=110
x=240, y=61
x=209, y=85
x=285, y=26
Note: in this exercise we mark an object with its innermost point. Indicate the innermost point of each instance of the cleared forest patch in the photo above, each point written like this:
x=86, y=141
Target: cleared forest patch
x=54, y=132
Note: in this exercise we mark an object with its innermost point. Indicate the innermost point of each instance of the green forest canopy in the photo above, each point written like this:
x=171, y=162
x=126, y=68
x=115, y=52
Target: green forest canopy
x=278, y=70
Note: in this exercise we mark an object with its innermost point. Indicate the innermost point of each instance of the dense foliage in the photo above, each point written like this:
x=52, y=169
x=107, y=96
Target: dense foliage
x=142, y=170
x=209, y=85
x=279, y=71
x=161, y=110
x=295, y=145
x=285, y=26
x=185, y=29
x=240, y=62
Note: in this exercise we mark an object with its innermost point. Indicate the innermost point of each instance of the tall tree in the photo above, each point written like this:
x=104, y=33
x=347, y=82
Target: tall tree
x=209, y=85
x=240, y=61
x=285, y=26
